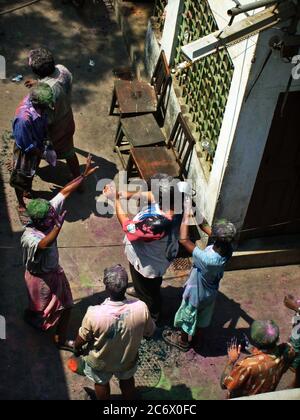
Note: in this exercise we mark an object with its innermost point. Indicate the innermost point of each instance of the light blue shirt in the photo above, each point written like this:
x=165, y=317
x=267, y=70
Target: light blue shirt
x=204, y=281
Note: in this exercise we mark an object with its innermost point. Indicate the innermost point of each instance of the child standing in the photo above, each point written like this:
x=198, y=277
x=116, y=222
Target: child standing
x=201, y=289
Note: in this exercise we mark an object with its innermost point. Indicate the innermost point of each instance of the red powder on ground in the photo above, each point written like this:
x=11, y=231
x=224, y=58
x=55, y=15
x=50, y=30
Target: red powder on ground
x=72, y=365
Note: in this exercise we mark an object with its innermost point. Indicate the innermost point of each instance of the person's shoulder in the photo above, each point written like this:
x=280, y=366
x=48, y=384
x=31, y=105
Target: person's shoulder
x=93, y=312
x=286, y=351
x=22, y=120
x=198, y=254
x=63, y=68
x=136, y=305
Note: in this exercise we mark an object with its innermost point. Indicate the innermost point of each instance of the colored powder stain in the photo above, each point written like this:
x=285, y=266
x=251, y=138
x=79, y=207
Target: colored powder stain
x=76, y=365
x=85, y=281
x=197, y=393
x=72, y=365
x=166, y=391
x=164, y=382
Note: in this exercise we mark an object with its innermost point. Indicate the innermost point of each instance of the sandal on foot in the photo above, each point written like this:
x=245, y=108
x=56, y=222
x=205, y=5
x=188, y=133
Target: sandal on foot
x=68, y=345
x=173, y=338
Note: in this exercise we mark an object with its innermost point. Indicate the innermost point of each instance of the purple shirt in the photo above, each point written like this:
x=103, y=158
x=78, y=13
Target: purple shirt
x=29, y=127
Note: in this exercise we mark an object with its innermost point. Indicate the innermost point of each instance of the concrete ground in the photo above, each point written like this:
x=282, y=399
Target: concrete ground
x=31, y=366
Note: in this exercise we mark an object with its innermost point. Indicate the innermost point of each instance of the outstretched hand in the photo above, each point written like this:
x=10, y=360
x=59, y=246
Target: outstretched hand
x=110, y=191
x=88, y=169
x=234, y=351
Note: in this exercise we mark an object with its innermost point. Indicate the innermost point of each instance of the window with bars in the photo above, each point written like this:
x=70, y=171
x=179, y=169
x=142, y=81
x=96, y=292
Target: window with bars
x=204, y=86
x=158, y=14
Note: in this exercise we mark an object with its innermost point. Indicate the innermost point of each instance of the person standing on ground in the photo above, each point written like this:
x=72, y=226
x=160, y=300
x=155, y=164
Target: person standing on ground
x=30, y=133
x=262, y=371
x=151, y=240
x=61, y=120
x=114, y=331
x=294, y=304
x=201, y=290
x=49, y=293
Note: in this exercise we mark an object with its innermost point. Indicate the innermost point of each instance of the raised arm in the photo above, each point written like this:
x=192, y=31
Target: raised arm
x=52, y=236
x=121, y=214
x=184, y=238
x=205, y=227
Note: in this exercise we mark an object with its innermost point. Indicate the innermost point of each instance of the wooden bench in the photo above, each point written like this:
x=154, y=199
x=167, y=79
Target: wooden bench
x=142, y=131
x=172, y=159
x=139, y=97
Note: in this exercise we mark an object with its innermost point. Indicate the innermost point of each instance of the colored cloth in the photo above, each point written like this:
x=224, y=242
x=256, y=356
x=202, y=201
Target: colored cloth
x=189, y=319
x=152, y=259
x=49, y=295
x=295, y=340
x=61, y=120
x=114, y=331
x=103, y=378
x=48, y=289
x=259, y=373
x=29, y=127
x=147, y=290
x=203, y=284
x=135, y=233
x=24, y=168
x=39, y=261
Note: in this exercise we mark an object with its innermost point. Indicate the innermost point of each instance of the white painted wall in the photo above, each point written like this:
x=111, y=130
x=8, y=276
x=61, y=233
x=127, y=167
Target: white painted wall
x=252, y=132
x=228, y=189
x=242, y=55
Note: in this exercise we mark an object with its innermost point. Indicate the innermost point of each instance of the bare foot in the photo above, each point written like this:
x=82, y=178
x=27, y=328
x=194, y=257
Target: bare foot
x=291, y=303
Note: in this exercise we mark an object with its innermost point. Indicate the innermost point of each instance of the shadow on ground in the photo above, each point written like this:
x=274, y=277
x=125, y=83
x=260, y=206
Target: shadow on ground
x=228, y=314
x=86, y=40
x=30, y=363
x=78, y=206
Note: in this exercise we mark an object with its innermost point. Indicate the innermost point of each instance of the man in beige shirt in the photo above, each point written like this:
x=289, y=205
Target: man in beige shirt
x=114, y=331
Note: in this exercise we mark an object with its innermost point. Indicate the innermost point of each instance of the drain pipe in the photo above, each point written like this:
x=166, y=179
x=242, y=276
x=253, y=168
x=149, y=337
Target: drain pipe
x=235, y=11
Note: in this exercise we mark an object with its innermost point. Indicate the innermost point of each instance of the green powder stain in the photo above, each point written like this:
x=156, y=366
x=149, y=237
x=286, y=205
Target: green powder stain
x=85, y=281
x=166, y=391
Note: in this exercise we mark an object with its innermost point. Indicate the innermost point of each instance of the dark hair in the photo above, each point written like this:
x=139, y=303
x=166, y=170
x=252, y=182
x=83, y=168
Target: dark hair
x=158, y=224
x=116, y=281
x=165, y=190
x=42, y=62
x=223, y=234
x=265, y=334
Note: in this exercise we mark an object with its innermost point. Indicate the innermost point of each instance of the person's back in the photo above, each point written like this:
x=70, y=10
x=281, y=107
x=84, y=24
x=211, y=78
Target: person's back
x=262, y=371
x=115, y=330
x=259, y=373
x=61, y=84
x=207, y=272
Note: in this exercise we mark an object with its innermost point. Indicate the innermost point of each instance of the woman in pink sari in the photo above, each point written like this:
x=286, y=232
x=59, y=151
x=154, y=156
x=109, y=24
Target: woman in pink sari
x=49, y=292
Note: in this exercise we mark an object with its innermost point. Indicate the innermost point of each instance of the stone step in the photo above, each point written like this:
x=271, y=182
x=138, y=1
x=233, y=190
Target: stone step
x=266, y=252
